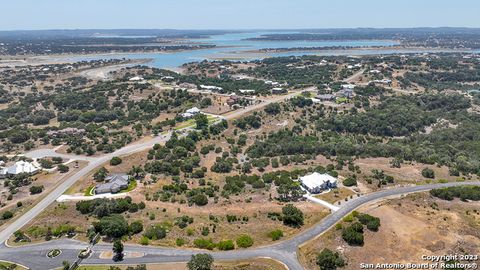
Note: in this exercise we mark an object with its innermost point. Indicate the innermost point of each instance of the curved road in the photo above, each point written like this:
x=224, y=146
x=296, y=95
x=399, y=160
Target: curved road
x=34, y=255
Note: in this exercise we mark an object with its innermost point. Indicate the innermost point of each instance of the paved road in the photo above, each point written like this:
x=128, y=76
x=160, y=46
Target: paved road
x=354, y=76
x=34, y=255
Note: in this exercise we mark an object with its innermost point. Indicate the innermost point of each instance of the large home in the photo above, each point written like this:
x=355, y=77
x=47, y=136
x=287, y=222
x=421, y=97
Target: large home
x=113, y=183
x=191, y=112
x=316, y=182
x=278, y=90
x=345, y=93
x=18, y=168
x=211, y=87
x=66, y=131
x=136, y=79
x=325, y=97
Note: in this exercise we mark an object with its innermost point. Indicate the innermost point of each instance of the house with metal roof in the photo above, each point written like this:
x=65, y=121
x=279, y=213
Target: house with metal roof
x=21, y=167
x=114, y=183
x=316, y=182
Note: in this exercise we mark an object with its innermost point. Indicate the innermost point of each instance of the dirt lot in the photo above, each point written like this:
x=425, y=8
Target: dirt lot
x=258, y=225
x=418, y=223
x=408, y=173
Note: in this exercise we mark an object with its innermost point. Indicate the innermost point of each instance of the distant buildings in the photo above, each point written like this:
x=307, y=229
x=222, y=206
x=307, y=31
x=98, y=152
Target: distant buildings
x=191, y=112
x=316, y=182
x=246, y=91
x=348, y=86
x=211, y=87
x=20, y=167
x=66, y=131
x=113, y=184
x=232, y=100
x=136, y=79
x=383, y=81
x=278, y=90
x=345, y=93
x=325, y=97
x=167, y=78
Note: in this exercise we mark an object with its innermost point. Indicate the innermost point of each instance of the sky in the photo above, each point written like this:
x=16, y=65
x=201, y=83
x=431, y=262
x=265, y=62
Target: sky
x=235, y=14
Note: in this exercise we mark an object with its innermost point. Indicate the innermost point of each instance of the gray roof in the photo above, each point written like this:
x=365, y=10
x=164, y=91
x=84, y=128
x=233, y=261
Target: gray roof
x=113, y=183
x=325, y=96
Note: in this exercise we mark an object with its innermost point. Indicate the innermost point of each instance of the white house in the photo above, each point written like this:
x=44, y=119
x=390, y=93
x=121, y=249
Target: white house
x=348, y=86
x=22, y=167
x=136, y=79
x=316, y=182
x=3, y=172
x=211, y=87
x=191, y=112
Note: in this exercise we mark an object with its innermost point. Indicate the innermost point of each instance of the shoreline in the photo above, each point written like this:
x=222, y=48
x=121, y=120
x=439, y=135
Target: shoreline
x=356, y=48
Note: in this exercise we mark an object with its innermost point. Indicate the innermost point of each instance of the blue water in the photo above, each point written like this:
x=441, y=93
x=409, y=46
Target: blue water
x=229, y=45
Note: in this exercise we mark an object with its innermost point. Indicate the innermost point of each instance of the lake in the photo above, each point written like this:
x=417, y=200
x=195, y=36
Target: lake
x=234, y=46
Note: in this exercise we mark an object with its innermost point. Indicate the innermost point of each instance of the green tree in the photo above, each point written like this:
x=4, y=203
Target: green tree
x=201, y=121
x=115, y=161
x=428, y=173
x=100, y=175
x=63, y=168
x=114, y=226
x=244, y=241
x=292, y=216
x=328, y=260
x=7, y=215
x=118, y=250
x=66, y=265
x=200, y=262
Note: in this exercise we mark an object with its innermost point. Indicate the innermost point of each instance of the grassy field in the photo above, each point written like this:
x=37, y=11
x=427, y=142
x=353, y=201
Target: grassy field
x=336, y=195
x=5, y=265
x=89, y=191
x=131, y=186
x=191, y=122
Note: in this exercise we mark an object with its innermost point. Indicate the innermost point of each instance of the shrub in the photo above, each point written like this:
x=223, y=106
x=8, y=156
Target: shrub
x=328, y=260
x=352, y=236
x=115, y=161
x=114, y=226
x=36, y=189
x=244, y=241
x=135, y=227
x=371, y=222
x=7, y=215
x=292, y=216
x=183, y=221
x=144, y=241
x=275, y=235
x=200, y=262
x=204, y=243
x=180, y=242
x=63, y=168
x=226, y=245
x=155, y=232
x=100, y=175
x=200, y=199
x=428, y=173
x=464, y=193
x=350, y=181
